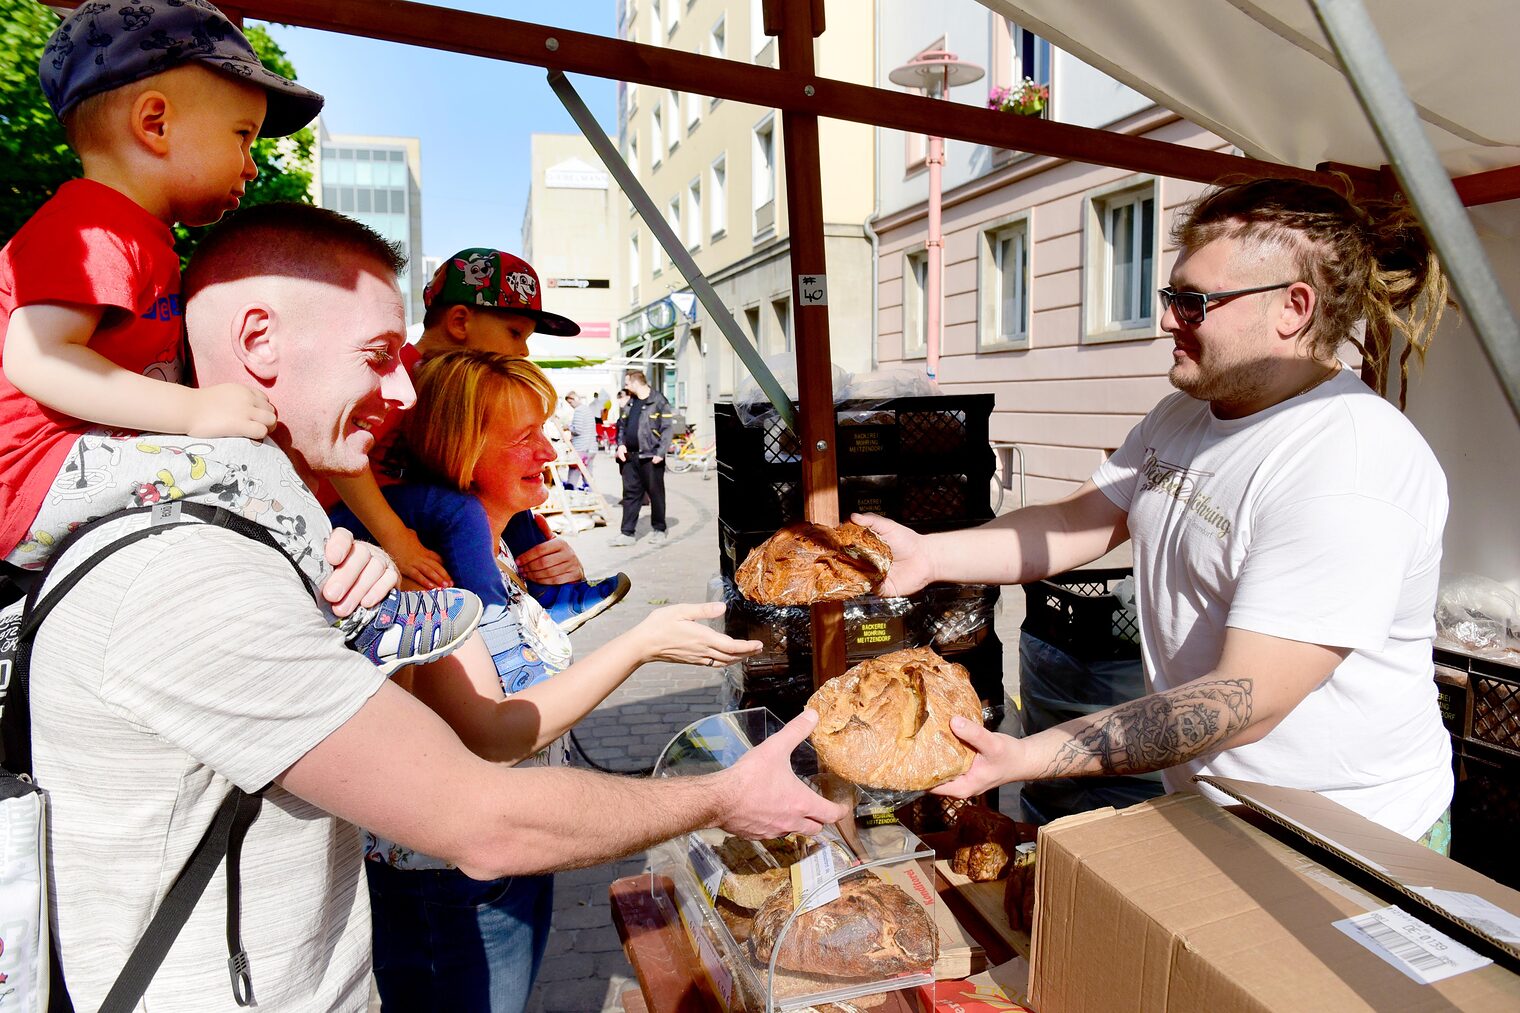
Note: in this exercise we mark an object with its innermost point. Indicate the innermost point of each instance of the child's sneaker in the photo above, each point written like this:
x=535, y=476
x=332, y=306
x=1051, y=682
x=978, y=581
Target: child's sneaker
x=573, y=605
x=416, y=627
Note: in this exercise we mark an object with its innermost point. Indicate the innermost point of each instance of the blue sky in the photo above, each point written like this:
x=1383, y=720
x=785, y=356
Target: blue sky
x=473, y=116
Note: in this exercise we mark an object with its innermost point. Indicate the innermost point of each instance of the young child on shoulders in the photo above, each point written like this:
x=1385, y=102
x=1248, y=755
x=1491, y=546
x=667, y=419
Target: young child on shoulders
x=93, y=416
x=489, y=301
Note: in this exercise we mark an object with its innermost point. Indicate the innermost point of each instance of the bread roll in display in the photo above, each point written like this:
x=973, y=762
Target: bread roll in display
x=874, y=930
x=886, y=722
x=806, y=563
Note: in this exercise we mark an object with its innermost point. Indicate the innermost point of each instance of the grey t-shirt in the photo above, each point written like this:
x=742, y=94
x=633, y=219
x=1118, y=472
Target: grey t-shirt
x=183, y=664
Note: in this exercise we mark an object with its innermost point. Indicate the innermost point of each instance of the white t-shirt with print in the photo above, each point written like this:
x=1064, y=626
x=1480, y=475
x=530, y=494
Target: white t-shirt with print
x=182, y=665
x=1317, y=520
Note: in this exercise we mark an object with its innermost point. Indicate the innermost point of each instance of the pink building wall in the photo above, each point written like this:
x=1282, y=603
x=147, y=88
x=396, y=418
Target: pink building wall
x=1068, y=399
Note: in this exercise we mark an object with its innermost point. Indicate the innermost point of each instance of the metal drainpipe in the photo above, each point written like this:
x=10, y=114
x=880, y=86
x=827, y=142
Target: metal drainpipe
x=876, y=204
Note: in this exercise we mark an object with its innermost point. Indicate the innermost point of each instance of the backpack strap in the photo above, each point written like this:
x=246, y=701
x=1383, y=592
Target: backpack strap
x=224, y=838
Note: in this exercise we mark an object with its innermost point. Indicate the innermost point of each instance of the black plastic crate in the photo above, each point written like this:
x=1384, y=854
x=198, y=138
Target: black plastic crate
x=948, y=617
x=1485, y=814
x=757, y=502
x=947, y=433
x=1077, y=612
x=1487, y=709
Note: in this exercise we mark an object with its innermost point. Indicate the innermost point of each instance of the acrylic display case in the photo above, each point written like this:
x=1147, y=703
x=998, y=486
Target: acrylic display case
x=841, y=916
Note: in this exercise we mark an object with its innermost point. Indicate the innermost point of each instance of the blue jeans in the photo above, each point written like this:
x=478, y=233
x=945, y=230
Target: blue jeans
x=444, y=941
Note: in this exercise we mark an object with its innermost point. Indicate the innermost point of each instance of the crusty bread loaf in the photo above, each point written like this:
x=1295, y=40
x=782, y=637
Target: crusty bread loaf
x=886, y=722
x=873, y=930
x=806, y=563
x=985, y=842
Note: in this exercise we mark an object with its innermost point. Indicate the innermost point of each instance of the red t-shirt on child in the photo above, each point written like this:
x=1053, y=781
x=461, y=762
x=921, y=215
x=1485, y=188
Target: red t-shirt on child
x=89, y=245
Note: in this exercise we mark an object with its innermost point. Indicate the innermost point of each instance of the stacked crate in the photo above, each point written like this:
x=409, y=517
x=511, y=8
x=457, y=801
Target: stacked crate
x=1480, y=705
x=922, y=461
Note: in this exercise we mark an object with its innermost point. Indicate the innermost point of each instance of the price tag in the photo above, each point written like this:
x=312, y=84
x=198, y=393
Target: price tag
x=808, y=874
x=813, y=289
x=708, y=869
x=1410, y=945
x=166, y=512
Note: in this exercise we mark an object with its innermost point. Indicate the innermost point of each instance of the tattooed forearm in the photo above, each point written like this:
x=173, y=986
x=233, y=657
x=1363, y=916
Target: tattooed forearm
x=1156, y=731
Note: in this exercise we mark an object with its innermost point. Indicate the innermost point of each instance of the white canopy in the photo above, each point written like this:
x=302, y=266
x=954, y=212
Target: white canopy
x=1261, y=74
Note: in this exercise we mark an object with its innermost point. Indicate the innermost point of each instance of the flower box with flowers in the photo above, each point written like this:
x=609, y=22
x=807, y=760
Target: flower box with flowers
x=1024, y=99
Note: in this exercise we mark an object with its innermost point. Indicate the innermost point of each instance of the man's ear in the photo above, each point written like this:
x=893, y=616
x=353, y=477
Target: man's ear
x=456, y=323
x=150, y=121
x=1297, y=311
x=253, y=341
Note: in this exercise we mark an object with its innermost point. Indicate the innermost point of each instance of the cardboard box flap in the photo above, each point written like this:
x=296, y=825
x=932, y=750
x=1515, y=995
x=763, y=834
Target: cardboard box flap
x=1455, y=892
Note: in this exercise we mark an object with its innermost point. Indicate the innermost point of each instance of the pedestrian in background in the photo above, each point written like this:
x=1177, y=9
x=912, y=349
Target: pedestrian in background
x=644, y=434
x=582, y=437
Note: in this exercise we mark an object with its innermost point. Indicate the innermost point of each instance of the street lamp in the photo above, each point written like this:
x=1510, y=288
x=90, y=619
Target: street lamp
x=935, y=72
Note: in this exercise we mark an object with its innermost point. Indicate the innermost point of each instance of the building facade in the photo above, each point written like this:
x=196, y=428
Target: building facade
x=570, y=236
x=1050, y=267
x=377, y=180
x=714, y=169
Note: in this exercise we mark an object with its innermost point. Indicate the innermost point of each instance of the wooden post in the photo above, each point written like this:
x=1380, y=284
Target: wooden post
x=796, y=23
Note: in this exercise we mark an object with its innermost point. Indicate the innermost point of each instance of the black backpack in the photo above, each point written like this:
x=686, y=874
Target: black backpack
x=22, y=799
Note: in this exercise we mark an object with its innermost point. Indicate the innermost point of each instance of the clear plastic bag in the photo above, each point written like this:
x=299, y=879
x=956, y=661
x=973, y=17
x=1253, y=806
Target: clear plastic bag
x=1479, y=616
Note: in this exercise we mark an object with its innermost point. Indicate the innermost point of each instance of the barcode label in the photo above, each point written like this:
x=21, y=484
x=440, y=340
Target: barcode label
x=1409, y=944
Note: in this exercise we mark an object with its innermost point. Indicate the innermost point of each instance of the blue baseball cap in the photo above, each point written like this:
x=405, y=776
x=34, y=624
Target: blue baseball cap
x=102, y=46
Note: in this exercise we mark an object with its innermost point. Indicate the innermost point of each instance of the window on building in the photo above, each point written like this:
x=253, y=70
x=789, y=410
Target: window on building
x=673, y=218
x=693, y=112
x=763, y=176
x=635, y=268
x=1032, y=57
x=1127, y=222
x=717, y=198
x=717, y=45
x=657, y=128
x=673, y=122
x=672, y=16
x=633, y=153
x=694, y=213
x=657, y=21
x=781, y=314
x=915, y=302
x=758, y=40
x=630, y=99
x=1004, y=311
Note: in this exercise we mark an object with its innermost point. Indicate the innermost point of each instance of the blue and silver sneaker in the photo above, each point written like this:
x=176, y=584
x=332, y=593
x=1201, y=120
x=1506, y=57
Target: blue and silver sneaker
x=571, y=606
x=416, y=627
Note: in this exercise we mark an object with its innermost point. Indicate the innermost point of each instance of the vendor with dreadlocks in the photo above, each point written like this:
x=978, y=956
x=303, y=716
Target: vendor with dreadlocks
x=1286, y=522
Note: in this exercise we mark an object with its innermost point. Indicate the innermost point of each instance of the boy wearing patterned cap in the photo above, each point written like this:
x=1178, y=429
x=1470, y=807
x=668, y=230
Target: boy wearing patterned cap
x=162, y=102
x=488, y=300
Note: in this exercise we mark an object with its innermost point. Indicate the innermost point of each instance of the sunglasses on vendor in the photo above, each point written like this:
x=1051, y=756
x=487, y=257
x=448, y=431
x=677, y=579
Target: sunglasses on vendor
x=1193, y=307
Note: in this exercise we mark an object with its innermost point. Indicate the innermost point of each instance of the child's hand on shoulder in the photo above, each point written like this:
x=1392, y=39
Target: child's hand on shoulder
x=230, y=409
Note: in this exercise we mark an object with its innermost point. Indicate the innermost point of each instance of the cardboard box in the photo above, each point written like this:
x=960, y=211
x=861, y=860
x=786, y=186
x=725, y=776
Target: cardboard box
x=1179, y=905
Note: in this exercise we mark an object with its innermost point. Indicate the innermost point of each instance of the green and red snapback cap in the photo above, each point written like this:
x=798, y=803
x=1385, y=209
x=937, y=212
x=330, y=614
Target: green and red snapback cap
x=491, y=279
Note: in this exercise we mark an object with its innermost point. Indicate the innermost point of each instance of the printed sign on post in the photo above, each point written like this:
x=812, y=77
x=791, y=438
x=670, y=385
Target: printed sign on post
x=813, y=289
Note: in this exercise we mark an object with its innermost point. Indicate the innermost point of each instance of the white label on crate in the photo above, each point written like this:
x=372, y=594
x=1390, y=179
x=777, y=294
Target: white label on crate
x=813, y=289
x=1483, y=915
x=1410, y=945
x=809, y=874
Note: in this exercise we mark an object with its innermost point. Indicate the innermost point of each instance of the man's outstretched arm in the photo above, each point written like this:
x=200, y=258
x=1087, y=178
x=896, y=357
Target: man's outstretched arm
x=1258, y=681
x=397, y=769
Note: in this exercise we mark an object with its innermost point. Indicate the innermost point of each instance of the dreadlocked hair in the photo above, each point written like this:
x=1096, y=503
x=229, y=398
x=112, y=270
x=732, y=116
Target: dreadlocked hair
x=1368, y=262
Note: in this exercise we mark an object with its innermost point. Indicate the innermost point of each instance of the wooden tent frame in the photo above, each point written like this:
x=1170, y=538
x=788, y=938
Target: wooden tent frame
x=802, y=98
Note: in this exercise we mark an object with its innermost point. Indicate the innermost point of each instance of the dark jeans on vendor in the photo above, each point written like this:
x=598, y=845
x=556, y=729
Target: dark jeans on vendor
x=444, y=941
x=640, y=476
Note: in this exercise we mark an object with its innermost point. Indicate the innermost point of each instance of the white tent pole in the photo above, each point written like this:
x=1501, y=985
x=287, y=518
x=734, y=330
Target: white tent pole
x=1424, y=179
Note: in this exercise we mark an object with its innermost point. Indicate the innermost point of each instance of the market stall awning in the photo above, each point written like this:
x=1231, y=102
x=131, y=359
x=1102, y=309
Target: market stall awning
x=1261, y=74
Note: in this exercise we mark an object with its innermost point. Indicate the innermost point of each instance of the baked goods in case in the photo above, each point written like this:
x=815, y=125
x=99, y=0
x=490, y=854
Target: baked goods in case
x=985, y=844
x=886, y=722
x=1018, y=895
x=873, y=930
x=806, y=563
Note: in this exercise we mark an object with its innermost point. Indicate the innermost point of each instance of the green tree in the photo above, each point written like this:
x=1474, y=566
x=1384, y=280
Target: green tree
x=35, y=160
